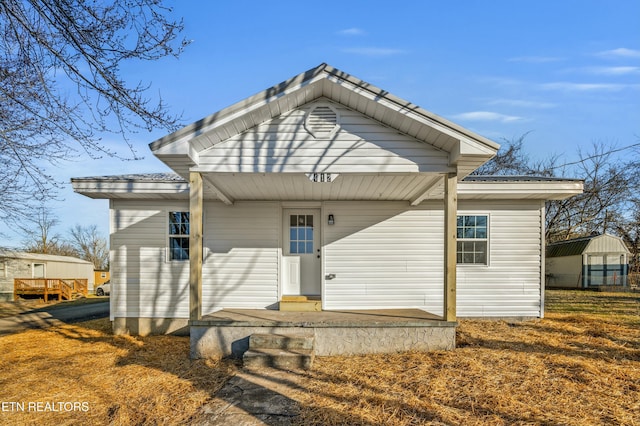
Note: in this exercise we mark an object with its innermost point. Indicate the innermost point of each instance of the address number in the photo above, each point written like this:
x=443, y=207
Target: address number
x=322, y=177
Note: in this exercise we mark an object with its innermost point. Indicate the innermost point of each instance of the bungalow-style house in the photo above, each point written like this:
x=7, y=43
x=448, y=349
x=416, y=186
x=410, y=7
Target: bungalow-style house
x=328, y=188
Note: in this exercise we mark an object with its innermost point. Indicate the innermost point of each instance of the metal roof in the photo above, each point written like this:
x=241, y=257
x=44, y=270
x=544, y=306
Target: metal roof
x=13, y=254
x=579, y=246
x=140, y=177
x=568, y=248
x=517, y=178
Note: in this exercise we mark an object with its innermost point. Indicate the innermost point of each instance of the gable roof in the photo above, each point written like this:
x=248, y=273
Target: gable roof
x=578, y=246
x=181, y=150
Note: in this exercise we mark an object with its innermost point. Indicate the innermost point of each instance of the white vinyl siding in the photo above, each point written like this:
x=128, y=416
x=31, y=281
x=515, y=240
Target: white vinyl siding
x=511, y=285
x=384, y=255
x=241, y=246
x=144, y=284
x=387, y=255
x=359, y=145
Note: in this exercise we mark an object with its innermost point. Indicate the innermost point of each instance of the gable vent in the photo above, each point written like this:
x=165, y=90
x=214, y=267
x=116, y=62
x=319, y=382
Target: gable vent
x=322, y=121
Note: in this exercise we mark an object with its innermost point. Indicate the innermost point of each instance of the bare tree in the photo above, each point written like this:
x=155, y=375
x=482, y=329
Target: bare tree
x=60, y=85
x=512, y=160
x=610, y=183
x=90, y=246
x=40, y=236
x=604, y=203
x=629, y=231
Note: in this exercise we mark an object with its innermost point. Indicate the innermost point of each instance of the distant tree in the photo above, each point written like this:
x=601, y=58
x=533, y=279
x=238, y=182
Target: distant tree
x=40, y=236
x=629, y=231
x=60, y=85
x=610, y=184
x=512, y=160
x=90, y=246
x=603, y=205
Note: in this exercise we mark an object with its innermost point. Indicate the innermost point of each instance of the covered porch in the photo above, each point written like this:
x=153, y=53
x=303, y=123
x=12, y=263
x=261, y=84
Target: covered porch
x=306, y=145
x=227, y=332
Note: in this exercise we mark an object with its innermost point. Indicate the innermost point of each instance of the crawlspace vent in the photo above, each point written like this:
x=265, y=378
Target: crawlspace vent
x=322, y=121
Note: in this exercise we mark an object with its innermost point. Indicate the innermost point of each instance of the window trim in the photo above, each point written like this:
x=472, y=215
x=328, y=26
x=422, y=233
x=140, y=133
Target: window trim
x=487, y=240
x=169, y=235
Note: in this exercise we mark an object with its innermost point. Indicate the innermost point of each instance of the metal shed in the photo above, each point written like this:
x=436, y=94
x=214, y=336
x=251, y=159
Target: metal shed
x=588, y=262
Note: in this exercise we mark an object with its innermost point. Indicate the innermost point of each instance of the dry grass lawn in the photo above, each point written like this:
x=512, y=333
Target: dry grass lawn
x=578, y=366
x=120, y=380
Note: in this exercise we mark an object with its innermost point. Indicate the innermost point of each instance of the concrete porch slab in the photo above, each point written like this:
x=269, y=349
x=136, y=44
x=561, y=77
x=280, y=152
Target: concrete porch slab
x=226, y=332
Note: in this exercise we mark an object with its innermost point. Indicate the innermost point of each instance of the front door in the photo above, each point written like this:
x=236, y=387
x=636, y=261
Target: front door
x=301, y=250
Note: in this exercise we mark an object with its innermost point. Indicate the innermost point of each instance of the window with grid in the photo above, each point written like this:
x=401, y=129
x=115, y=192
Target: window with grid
x=472, y=240
x=300, y=234
x=178, y=235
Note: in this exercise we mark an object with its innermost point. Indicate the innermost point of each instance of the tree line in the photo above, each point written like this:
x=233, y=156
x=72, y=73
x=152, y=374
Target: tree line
x=84, y=242
x=609, y=204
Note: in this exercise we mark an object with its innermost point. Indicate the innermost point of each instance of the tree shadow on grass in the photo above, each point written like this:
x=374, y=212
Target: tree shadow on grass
x=552, y=338
x=234, y=395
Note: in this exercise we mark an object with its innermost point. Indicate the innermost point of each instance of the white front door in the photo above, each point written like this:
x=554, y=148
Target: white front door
x=301, y=252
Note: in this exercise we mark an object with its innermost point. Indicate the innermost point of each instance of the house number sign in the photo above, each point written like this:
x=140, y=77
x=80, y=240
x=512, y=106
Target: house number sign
x=322, y=177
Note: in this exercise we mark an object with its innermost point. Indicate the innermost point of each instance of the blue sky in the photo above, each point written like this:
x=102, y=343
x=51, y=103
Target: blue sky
x=567, y=71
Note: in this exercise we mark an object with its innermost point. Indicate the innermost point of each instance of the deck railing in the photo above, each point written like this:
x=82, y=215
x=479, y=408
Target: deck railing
x=64, y=288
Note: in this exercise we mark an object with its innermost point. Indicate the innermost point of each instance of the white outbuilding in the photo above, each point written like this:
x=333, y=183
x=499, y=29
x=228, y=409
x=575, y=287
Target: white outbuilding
x=597, y=261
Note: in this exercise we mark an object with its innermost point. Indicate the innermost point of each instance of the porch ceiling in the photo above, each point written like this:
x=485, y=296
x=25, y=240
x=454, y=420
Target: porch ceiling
x=298, y=187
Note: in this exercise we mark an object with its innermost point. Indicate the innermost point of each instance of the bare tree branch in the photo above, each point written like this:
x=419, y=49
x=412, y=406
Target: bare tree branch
x=61, y=88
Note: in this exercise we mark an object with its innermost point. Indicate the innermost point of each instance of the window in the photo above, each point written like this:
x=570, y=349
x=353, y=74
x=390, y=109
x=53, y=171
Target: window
x=178, y=235
x=472, y=239
x=300, y=233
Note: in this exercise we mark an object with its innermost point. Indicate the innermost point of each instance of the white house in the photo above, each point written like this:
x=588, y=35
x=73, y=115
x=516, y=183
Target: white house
x=323, y=185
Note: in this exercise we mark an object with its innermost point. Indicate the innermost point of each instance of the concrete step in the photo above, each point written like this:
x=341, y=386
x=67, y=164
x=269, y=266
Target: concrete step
x=299, y=359
x=280, y=341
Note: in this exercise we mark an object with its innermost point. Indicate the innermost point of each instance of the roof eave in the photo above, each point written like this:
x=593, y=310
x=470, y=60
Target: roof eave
x=538, y=190
x=109, y=188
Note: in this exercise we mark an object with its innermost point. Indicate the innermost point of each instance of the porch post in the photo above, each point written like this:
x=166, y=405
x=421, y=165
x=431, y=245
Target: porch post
x=450, y=220
x=196, y=196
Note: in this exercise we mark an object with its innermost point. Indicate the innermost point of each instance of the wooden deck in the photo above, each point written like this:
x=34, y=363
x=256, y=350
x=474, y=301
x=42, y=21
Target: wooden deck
x=62, y=288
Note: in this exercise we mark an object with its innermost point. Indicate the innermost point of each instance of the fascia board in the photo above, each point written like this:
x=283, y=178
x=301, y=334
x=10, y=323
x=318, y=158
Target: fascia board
x=523, y=190
x=407, y=109
x=469, y=148
x=238, y=109
x=112, y=189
